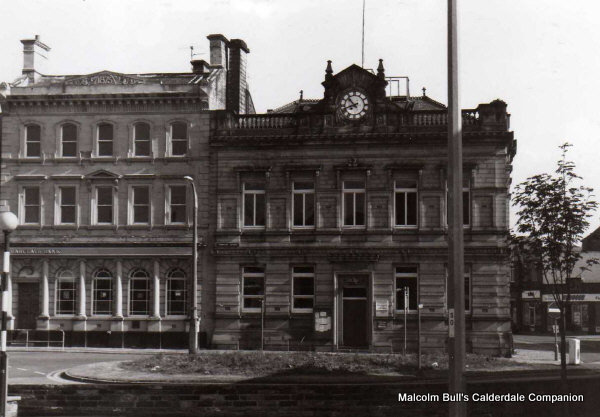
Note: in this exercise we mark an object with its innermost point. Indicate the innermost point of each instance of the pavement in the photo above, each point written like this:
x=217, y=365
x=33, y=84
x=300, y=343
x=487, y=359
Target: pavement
x=43, y=365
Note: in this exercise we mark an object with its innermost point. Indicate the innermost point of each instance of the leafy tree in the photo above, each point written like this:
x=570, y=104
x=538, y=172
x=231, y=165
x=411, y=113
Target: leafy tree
x=552, y=217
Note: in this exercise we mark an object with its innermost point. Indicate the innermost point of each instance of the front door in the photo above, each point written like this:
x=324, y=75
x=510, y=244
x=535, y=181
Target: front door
x=354, y=312
x=29, y=305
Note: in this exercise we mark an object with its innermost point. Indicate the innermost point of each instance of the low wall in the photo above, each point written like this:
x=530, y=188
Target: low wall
x=293, y=400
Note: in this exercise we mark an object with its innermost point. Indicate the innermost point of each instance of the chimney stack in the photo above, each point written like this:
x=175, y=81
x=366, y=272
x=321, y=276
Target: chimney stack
x=218, y=50
x=236, y=78
x=30, y=47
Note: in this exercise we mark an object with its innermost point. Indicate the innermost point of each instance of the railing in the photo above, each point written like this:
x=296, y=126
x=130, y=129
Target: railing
x=424, y=118
x=33, y=337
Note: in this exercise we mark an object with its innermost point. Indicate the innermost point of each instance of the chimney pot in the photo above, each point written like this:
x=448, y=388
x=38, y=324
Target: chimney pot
x=218, y=50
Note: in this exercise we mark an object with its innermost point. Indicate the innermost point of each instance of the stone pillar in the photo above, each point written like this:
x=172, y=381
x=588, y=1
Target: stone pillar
x=156, y=290
x=118, y=302
x=81, y=290
x=45, y=291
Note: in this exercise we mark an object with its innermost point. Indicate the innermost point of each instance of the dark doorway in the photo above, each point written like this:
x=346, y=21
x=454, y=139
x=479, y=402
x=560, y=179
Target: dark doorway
x=354, y=316
x=29, y=305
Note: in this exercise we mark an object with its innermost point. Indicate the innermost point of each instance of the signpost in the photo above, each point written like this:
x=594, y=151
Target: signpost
x=406, y=298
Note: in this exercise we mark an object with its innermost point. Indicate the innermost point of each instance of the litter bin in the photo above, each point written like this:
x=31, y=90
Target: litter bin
x=574, y=352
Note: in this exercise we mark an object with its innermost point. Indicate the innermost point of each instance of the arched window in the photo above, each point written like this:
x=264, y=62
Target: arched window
x=179, y=139
x=33, y=141
x=141, y=139
x=105, y=139
x=68, y=140
x=102, y=293
x=139, y=293
x=176, y=292
x=66, y=293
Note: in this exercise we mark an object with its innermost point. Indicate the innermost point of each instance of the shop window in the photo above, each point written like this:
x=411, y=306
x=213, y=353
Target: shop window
x=303, y=203
x=139, y=293
x=407, y=281
x=303, y=289
x=102, y=293
x=253, y=289
x=67, y=205
x=176, y=292
x=141, y=139
x=105, y=139
x=33, y=141
x=179, y=139
x=254, y=205
x=405, y=203
x=66, y=293
x=68, y=140
x=354, y=203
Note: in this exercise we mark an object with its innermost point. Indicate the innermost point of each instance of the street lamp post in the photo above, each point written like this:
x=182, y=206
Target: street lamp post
x=193, y=347
x=456, y=310
x=8, y=223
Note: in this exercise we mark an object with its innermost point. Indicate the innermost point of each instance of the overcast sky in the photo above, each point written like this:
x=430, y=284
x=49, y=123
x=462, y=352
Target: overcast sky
x=541, y=56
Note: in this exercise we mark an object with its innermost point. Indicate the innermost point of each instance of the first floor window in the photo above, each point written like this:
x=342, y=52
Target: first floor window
x=179, y=139
x=68, y=205
x=102, y=293
x=66, y=293
x=406, y=203
x=105, y=139
x=176, y=292
x=141, y=139
x=354, y=203
x=253, y=288
x=407, y=286
x=254, y=205
x=33, y=141
x=104, y=205
x=31, y=197
x=139, y=293
x=68, y=140
x=177, y=204
x=141, y=204
x=303, y=288
x=304, y=203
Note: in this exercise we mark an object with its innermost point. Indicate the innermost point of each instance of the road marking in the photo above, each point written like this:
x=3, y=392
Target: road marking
x=22, y=369
x=39, y=373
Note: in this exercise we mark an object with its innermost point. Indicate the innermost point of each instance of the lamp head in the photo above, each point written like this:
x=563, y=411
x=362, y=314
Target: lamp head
x=188, y=178
x=8, y=221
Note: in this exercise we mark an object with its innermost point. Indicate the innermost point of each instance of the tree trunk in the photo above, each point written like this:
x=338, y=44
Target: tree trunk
x=564, y=385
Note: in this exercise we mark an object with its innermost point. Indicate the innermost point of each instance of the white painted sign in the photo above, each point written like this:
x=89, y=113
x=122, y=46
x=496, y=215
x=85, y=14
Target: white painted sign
x=450, y=322
x=581, y=298
x=382, y=307
x=530, y=294
x=322, y=321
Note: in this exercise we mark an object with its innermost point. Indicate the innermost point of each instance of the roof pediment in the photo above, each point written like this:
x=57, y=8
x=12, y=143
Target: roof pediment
x=355, y=76
x=103, y=78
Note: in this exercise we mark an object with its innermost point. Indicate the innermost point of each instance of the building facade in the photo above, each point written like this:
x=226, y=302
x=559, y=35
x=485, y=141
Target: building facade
x=94, y=165
x=330, y=222
x=322, y=223
x=534, y=307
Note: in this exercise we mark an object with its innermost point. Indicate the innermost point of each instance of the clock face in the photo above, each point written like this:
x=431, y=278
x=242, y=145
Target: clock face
x=353, y=105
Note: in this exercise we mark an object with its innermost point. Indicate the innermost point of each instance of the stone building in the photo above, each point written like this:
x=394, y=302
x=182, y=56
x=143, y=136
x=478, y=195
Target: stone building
x=94, y=167
x=329, y=221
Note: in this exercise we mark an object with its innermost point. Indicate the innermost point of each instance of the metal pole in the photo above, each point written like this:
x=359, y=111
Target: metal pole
x=193, y=347
x=3, y=354
x=405, y=317
x=419, y=307
x=456, y=328
x=555, y=339
x=262, y=324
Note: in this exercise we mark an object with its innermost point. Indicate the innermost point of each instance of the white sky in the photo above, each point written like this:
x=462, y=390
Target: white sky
x=541, y=56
